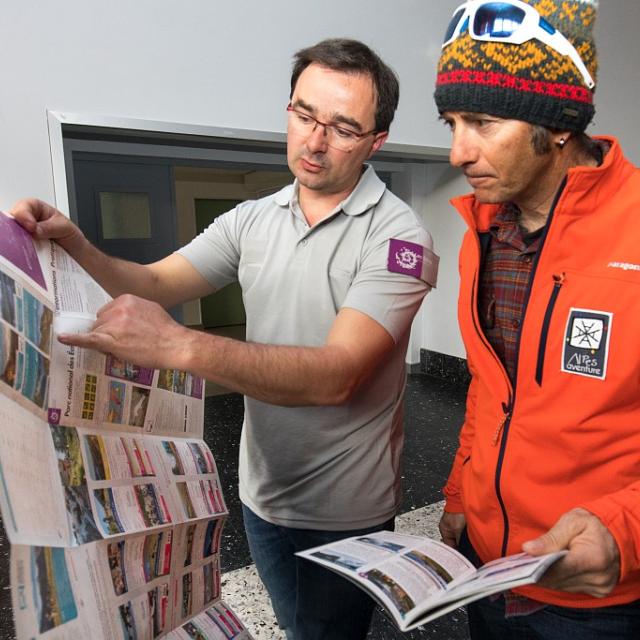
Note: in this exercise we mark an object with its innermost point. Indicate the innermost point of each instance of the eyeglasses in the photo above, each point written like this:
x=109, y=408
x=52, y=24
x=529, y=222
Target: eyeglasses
x=513, y=22
x=338, y=137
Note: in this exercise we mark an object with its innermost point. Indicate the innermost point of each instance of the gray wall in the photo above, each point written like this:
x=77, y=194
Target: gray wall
x=227, y=64
x=618, y=89
x=214, y=63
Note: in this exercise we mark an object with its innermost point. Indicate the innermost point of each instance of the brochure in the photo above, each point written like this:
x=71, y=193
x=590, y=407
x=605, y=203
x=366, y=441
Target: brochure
x=416, y=579
x=110, y=497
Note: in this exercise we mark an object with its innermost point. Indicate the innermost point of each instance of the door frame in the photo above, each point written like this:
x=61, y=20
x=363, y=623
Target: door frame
x=135, y=136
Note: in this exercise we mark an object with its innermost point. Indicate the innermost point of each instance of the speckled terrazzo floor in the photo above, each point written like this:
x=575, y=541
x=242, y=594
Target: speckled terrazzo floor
x=434, y=412
x=245, y=593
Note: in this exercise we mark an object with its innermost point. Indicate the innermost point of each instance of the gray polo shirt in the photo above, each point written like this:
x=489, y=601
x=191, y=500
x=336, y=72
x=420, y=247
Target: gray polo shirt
x=322, y=467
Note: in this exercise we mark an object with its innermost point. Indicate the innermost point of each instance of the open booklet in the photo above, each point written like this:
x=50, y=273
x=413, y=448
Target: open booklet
x=417, y=579
x=110, y=497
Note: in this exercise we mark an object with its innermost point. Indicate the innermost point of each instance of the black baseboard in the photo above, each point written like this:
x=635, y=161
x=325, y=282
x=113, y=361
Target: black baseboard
x=414, y=367
x=440, y=365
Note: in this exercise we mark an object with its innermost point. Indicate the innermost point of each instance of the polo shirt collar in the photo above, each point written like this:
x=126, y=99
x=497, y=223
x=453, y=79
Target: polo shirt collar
x=367, y=194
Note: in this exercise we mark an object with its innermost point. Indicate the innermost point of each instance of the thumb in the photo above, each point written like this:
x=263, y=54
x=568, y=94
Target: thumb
x=54, y=227
x=556, y=539
x=62, y=230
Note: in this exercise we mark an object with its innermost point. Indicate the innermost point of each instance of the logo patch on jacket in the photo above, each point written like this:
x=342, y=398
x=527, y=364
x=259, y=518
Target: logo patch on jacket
x=586, y=344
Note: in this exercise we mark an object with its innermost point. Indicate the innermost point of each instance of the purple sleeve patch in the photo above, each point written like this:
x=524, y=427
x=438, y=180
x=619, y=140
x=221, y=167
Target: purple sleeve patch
x=414, y=260
x=405, y=257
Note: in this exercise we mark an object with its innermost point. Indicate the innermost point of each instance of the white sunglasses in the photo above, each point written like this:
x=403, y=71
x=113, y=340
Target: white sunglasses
x=512, y=22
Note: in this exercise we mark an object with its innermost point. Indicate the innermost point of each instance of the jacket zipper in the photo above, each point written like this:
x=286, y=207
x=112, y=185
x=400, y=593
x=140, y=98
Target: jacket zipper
x=506, y=422
x=487, y=344
x=506, y=407
x=558, y=281
x=509, y=408
x=505, y=418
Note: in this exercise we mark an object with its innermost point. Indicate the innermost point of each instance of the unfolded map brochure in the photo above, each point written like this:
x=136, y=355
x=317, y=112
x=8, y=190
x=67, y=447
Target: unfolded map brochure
x=110, y=497
x=416, y=579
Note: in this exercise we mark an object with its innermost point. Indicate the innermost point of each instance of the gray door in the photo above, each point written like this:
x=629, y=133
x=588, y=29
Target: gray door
x=126, y=208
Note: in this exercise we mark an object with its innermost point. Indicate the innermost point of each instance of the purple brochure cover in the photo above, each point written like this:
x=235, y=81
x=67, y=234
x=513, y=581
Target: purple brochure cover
x=16, y=245
x=196, y=388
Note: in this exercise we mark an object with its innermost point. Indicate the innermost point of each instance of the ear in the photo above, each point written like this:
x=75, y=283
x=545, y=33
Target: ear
x=378, y=141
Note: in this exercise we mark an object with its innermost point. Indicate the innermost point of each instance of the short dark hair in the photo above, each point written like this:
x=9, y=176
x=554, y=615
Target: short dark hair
x=542, y=142
x=541, y=139
x=352, y=56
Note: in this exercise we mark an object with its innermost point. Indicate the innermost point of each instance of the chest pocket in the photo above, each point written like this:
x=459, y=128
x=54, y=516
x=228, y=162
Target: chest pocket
x=251, y=262
x=340, y=278
x=589, y=330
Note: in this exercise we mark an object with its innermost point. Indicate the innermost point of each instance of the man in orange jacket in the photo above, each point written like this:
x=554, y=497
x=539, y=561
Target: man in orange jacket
x=549, y=454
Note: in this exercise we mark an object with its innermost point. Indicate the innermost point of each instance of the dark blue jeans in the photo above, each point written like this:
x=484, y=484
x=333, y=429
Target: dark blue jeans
x=487, y=621
x=310, y=602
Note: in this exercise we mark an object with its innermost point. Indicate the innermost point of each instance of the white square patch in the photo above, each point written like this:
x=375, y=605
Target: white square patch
x=586, y=333
x=586, y=343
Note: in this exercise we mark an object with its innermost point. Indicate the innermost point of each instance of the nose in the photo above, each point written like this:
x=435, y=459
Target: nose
x=317, y=140
x=463, y=149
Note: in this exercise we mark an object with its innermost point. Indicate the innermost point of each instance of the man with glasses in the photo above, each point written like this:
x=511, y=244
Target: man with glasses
x=333, y=269
x=549, y=306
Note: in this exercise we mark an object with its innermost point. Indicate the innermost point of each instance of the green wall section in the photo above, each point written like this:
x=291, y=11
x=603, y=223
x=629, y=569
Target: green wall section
x=223, y=308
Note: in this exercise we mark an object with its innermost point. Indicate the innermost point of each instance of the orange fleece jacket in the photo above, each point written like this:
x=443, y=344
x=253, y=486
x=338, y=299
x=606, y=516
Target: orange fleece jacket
x=568, y=434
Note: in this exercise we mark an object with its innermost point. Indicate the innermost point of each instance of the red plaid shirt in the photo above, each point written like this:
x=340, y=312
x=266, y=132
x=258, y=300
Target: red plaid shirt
x=504, y=281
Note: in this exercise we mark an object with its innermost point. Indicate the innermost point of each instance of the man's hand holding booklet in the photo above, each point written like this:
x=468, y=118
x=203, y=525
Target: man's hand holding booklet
x=417, y=579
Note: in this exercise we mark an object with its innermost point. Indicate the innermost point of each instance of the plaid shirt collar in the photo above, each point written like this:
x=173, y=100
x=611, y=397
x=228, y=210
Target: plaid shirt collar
x=506, y=229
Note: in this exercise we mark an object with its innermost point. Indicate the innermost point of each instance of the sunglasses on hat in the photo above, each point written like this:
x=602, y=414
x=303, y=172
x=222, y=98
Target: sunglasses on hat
x=511, y=22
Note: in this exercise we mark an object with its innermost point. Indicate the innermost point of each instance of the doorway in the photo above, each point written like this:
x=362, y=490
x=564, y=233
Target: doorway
x=224, y=308
x=247, y=157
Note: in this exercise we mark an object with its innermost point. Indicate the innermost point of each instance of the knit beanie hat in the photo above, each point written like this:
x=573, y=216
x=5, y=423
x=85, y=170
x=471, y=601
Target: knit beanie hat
x=529, y=81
